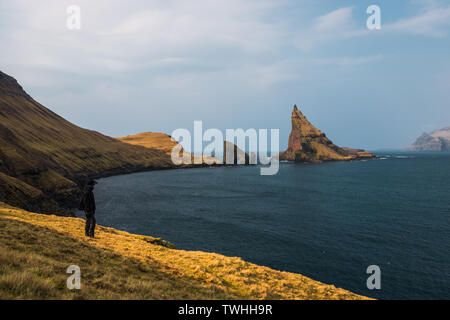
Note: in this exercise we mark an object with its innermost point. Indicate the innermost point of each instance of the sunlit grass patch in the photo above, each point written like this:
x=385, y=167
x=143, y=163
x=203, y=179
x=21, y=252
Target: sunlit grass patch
x=35, y=251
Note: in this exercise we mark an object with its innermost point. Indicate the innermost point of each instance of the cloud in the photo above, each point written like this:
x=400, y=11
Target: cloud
x=348, y=61
x=164, y=38
x=434, y=21
x=337, y=19
x=329, y=28
x=133, y=67
x=161, y=34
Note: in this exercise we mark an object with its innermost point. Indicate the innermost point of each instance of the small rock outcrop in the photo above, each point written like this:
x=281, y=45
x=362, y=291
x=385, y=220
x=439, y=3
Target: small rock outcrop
x=309, y=144
x=231, y=151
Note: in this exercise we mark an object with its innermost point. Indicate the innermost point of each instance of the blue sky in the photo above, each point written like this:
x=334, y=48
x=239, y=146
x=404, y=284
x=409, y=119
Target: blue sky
x=160, y=65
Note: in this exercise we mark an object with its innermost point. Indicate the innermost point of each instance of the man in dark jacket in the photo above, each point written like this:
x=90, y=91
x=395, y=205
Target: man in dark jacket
x=87, y=203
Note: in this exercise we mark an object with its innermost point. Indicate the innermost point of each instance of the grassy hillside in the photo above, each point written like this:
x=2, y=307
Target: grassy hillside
x=35, y=251
x=152, y=140
x=42, y=152
x=164, y=143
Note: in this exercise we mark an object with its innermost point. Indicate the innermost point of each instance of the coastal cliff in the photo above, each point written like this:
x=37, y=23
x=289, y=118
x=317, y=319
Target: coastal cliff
x=309, y=144
x=45, y=159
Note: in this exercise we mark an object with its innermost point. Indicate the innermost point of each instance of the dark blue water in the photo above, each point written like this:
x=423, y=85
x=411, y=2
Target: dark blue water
x=328, y=221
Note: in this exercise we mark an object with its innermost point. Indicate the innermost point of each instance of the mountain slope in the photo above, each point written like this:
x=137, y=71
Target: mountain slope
x=120, y=265
x=52, y=155
x=438, y=140
x=309, y=144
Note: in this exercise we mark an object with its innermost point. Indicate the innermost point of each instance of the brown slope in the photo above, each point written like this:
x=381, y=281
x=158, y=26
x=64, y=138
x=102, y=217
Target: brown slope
x=155, y=140
x=49, y=153
x=165, y=143
x=309, y=144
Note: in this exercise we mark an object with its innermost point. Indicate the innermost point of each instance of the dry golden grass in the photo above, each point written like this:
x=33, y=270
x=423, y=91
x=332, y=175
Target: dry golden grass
x=35, y=251
x=163, y=142
x=155, y=140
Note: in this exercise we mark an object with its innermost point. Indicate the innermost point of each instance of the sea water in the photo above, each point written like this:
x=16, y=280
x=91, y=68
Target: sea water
x=328, y=221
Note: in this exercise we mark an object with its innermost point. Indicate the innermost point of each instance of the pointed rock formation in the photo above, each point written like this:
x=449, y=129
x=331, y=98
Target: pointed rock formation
x=309, y=144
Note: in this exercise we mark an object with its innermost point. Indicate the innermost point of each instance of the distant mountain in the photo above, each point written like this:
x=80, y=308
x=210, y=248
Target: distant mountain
x=45, y=159
x=438, y=140
x=309, y=144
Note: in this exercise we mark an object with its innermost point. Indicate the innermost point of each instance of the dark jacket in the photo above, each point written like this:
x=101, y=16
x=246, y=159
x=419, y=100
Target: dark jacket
x=87, y=202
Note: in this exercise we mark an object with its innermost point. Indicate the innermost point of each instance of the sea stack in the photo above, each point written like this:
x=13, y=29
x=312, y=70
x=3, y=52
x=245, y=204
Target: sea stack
x=309, y=144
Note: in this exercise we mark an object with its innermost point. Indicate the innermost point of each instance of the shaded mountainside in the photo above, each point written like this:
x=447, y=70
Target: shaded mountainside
x=309, y=144
x=44, y=158
x=120, y=265
x=438, y=140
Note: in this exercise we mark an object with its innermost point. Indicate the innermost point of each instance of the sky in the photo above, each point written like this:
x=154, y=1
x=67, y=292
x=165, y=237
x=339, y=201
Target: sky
x=145, y=65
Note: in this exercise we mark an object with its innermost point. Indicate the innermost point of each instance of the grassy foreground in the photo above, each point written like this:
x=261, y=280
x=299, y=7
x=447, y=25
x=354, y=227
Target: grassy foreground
x=36, y=249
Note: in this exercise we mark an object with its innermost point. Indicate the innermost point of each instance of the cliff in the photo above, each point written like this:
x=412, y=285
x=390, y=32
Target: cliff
x=44, y=159
x=438, y=140
x=120, y=265
x=309, y=144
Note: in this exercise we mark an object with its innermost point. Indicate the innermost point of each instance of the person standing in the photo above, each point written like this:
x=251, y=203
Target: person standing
x=87, y=203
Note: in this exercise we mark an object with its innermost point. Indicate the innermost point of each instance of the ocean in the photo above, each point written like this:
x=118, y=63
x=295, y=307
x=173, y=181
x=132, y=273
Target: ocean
x=328, y=221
